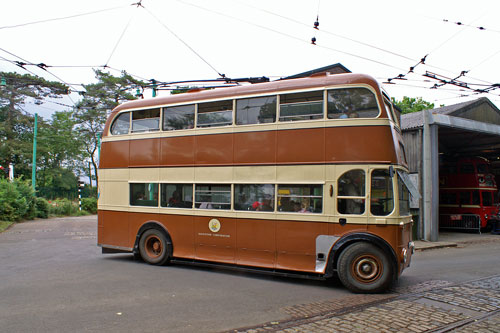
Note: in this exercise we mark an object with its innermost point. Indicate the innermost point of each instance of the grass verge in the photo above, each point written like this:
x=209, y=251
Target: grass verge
x=4, y=225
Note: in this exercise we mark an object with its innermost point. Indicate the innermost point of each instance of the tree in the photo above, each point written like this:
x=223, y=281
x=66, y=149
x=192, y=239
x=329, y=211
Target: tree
x=91, y=111
x=16, y=125
x=410, y=104
x=59, y=155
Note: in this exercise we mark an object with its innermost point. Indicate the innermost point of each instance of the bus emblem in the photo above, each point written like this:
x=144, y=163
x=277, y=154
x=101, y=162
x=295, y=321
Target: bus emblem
x=214, y=225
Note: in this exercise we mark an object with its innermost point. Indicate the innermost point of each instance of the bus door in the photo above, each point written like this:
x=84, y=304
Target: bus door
x=351, y=199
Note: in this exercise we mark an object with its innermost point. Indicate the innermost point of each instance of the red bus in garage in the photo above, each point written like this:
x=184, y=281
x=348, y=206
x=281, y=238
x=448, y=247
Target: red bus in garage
x=468, y=195
x=301, y=177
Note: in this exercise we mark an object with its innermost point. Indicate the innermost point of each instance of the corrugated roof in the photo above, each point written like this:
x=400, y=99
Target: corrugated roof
x=416, y=119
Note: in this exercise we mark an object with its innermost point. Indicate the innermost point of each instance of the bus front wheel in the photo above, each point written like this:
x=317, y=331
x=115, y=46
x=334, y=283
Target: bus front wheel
x=364, y=268
x=153, y=247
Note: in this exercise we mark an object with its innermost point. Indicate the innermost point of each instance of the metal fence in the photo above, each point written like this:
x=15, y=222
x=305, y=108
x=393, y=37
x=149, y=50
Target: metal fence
x=460, y=222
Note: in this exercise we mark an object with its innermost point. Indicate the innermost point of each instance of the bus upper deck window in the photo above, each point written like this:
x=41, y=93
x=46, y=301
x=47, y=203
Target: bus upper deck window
x=146, y=120
x=178, y=117
x=121, y=124
x=301, y=106
x=213, y=114
x=256, y=110
x=352, y=103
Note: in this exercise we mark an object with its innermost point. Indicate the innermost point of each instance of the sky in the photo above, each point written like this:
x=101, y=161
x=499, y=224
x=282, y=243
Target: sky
x=180, y=40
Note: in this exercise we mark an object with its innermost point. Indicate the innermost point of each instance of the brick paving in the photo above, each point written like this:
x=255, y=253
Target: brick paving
x=434, y=306
x=488, y=325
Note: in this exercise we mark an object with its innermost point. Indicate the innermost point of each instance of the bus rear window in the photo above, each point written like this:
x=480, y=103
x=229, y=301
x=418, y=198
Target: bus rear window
x=352, y=103
x=146, y=120
x=121, y=124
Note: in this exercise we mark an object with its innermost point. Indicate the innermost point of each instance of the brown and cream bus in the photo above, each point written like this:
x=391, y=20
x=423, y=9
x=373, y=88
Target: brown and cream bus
x=299, y=177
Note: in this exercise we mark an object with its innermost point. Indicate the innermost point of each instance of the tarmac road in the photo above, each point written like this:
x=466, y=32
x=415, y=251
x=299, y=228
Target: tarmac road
x=53, y=278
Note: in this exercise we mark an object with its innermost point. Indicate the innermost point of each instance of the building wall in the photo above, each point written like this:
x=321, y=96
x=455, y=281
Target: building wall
x=483, y=112
x=413, y=147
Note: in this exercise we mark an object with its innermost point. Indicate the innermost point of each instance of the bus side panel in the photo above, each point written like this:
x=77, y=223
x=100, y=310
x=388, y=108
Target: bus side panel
x=214, y=149
x=177, y=151
x=361, y=144
x=113, y=229
x=144, y=152
x=296, y=244
x=301, y=146
x=256, y=243
x=136, y=221
x=181, y=230
x=255, y=148
x=114, y=154
x=217, y=246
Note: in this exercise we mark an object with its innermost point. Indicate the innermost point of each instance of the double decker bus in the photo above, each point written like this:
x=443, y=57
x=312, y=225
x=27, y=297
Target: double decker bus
x=302, y=177
x=468, y=194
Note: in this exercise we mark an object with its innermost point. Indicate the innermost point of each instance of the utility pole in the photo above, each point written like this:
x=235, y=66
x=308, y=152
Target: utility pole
x=33, y=167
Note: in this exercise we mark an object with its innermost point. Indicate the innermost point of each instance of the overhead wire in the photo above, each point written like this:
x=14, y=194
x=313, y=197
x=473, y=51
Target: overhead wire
x=328, y=32
x=182, y=41
x=288, y=35
x=119, y=39
x=42, y=67
x=61, y=18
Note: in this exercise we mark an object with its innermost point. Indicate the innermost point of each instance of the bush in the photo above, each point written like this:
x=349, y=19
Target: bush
x=26, y=191
x=90, y=205
x=13, y=206
x=63, y=207
x=42, y=208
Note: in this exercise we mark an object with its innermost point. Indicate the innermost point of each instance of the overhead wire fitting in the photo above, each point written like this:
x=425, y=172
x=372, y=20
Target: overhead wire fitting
x=470, y=26
x=411, y=70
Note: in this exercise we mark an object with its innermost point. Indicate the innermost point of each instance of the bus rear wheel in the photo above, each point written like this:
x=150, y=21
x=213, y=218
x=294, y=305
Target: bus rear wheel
x=364, y=268
x=153, y=247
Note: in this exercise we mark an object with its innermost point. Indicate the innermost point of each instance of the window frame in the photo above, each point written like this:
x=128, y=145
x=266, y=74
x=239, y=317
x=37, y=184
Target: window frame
x=368, y=88
x=280, y=104
x=116, y=119
x=363, y=197
x=163, y=118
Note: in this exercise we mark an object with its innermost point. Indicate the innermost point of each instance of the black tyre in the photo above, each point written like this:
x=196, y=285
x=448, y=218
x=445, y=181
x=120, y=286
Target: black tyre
x=365, y=268
x=154, y=248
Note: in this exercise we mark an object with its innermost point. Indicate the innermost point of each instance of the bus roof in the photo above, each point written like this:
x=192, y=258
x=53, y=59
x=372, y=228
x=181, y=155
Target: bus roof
x=259, y=88
x=314, y=81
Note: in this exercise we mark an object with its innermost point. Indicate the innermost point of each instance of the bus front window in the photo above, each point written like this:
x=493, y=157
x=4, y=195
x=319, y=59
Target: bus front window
x=382, y=195
x=404, y=198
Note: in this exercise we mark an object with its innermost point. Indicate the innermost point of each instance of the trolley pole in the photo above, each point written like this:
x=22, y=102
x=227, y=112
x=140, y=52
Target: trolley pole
x=33, y=167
